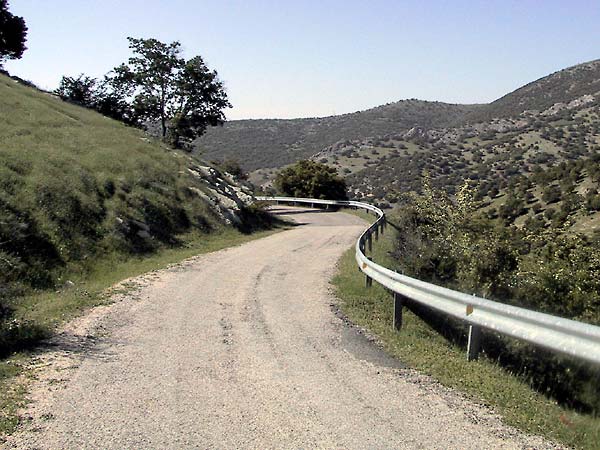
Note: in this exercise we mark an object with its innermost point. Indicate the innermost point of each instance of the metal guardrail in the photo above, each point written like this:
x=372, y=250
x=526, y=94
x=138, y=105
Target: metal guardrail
x=565, y=336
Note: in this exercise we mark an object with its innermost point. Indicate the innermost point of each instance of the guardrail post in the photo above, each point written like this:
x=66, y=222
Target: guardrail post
x=376, y=232
x=368, y=279
x=474, y=344
x=370, y=243
x=398, y=304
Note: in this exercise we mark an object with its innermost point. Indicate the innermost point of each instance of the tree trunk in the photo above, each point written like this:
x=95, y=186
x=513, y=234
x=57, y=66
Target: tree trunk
x=163, y=122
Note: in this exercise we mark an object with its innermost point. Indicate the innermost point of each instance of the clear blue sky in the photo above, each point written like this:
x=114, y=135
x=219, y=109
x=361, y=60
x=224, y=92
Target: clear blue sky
x=315, y=58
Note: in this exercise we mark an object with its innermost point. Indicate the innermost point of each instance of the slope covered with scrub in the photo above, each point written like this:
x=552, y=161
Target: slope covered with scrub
x=277, y=142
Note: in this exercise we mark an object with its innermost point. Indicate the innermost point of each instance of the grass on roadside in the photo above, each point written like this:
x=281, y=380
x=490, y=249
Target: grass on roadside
x=47, y=310
x=419, y=346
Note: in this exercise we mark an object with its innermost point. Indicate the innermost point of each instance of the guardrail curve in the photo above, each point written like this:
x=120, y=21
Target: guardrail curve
x=565, y=336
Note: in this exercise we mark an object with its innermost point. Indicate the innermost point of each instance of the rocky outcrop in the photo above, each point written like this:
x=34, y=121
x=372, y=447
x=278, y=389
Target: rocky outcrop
x=219, y=189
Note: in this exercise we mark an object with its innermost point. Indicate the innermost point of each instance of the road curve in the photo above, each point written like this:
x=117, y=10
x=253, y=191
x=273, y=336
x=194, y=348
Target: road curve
x=241, y=349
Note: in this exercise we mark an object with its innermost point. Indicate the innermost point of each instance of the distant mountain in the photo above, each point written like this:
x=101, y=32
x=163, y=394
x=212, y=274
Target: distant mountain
x=275, y=142
x=561, y=87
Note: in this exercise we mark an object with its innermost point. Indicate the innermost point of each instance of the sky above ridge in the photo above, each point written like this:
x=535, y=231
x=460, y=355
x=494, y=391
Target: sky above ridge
x=284, y=59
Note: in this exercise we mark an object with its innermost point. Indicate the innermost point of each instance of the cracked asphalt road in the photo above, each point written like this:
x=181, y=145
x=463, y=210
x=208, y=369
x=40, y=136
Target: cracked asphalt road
x=241, y=349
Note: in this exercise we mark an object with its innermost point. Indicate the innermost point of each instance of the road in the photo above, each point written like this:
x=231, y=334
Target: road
x=242, y=349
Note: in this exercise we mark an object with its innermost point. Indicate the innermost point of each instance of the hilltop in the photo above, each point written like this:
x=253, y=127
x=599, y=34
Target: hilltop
x=555, y=90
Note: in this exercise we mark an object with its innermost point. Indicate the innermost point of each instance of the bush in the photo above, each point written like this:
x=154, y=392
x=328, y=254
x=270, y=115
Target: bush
x=312, y=180
x=233, y=167
x=541, y=268
x=552, y=194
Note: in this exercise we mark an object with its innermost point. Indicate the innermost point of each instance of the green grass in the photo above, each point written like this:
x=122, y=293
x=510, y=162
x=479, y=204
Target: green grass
x=75, y=185
x=50, y=309
x=422, y=348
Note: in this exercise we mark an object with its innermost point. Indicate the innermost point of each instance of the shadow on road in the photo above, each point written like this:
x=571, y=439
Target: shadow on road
x=286, y=212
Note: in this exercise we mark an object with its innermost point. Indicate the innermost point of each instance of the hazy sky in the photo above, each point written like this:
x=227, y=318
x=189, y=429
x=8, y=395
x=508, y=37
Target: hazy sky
x=315, y=58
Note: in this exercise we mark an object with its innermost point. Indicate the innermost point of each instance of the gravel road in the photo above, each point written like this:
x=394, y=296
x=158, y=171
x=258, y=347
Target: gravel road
x=241, y=349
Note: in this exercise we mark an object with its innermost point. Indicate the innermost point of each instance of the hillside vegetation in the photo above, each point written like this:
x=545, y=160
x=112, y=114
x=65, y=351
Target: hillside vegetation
x=561, y=87
x=76, y=186
x=536, y=168
x=541, y=168
x=275, y=142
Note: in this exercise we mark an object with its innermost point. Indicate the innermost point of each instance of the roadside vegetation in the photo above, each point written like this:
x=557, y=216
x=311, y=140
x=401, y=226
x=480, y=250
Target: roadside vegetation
x=435, y=346
x=310, y=179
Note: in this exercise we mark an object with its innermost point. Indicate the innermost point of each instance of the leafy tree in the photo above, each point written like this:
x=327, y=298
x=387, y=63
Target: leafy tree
x=512, y=208
x=311, y=179
x=99, y=95
x=81, y=90
x=184, y=97
x=13, y=33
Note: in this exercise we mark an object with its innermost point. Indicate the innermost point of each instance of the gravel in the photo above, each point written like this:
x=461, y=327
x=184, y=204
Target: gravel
x=241, y=349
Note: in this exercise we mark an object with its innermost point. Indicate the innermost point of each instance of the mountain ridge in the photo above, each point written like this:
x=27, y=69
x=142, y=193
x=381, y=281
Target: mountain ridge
x=271, y=143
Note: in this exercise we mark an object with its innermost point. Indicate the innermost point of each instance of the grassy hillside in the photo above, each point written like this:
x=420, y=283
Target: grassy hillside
x=76, y=186
x=274, y=143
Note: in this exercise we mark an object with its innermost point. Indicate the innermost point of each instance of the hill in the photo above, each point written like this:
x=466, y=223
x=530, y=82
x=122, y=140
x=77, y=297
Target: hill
x=276, y=142
x=548, y=140
x=76, y=186
x=540, y=168
x=269, y=144
x=558, y=89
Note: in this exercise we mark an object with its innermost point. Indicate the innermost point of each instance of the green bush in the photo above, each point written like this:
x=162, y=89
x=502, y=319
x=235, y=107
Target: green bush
x=311, y=179
x=551, y=270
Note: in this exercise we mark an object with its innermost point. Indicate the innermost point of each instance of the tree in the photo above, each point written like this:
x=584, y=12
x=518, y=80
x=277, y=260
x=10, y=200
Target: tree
x=312, y=180
x=233, y=167
x=99, y=95
x=81, y=90
x=552, y=194
x=184, y=97
x=13, y=33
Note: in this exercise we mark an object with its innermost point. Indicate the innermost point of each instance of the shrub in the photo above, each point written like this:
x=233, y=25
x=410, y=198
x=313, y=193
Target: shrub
x=311, y=179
